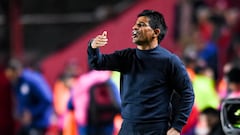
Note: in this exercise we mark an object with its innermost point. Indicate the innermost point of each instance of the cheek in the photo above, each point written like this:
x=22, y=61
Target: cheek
x=146, y=34
x=149, y=35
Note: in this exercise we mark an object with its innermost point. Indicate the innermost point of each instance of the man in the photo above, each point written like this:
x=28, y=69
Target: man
x=33, y=99
x=149, y=75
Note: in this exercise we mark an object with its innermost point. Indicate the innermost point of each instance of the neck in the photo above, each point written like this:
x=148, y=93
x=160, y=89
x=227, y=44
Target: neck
x=147, y=46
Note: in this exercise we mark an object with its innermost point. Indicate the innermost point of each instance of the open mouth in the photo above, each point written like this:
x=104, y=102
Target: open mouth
x=134, y=34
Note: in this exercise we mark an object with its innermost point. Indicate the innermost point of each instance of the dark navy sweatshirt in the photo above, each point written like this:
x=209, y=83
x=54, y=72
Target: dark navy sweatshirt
x=148, y=78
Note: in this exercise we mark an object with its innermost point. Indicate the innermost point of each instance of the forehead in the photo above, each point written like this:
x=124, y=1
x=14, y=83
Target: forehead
x=143, y=19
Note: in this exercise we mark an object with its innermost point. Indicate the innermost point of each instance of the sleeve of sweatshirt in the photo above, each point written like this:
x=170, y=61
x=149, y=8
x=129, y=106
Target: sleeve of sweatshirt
x=99, y=61
x=182, y=85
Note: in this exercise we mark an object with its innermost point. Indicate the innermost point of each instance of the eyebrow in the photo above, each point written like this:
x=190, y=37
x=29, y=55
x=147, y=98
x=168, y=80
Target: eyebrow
x=142, y=23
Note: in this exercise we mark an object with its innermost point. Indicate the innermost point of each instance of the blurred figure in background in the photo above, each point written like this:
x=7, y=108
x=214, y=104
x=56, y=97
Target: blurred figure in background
x=204, y=87
x=233, y=77
x=222, y=86
x=33, y=99
x=211, y=117
x=62, y=91
x=95, y=103
x=206, y=50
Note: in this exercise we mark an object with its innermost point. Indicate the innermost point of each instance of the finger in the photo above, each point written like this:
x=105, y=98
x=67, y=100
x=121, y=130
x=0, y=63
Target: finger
x=100, y=39
x=101, y=43
x=104, y=33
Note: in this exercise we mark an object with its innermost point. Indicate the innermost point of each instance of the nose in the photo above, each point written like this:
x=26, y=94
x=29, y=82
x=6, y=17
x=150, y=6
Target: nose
x=134, y=27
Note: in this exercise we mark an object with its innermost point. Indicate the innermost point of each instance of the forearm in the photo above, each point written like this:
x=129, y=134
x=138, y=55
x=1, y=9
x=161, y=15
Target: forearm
x=99, y=61
x=93, y=56
x=182, y=109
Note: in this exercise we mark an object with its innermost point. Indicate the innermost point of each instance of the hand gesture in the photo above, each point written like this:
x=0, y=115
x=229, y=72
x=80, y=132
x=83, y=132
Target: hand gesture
x=173, y=131
x=100, y=40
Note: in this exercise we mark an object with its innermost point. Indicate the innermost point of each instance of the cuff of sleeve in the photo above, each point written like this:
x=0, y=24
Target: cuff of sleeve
x=90, y=49
x=89, y=43
x=178, y=126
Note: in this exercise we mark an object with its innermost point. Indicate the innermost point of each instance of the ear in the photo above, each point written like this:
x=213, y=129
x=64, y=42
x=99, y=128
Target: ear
x=156, y=32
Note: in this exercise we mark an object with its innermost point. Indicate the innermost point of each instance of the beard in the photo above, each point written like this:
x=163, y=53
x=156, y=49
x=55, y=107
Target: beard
x=140, y=42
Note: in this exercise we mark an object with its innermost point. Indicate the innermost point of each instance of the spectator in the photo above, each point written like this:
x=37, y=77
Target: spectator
x=81, y=103
x=62, y=91
x=204, y=88
x=33, y=99
x=213, y=121
x=222, y=86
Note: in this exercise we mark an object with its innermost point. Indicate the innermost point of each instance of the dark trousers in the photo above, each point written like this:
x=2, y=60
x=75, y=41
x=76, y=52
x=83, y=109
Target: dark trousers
x=144, y=129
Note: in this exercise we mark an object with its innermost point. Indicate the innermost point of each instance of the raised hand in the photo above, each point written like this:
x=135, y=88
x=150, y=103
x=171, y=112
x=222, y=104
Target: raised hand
x=100, y=40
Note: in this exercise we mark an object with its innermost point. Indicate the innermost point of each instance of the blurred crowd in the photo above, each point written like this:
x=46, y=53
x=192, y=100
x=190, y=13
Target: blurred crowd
x=208, y=35
x=78, y=103
x=208, y=30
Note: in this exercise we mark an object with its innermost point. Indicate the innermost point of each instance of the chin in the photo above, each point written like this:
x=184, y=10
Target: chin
x=138, y=43
x=134, y=41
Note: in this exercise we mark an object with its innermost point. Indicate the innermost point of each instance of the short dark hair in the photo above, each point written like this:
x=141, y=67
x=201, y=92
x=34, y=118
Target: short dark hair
x=14, y=64
x=156, y=22
x=211, y=111
x=233, y=75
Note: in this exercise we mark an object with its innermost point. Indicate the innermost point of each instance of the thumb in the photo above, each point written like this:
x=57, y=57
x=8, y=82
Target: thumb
x=104, y=33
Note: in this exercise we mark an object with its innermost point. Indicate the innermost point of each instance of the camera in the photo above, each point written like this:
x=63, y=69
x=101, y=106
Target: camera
x=230, y=116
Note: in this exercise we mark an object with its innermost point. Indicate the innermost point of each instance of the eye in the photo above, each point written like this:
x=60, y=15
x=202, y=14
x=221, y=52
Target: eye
x=142, y=25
